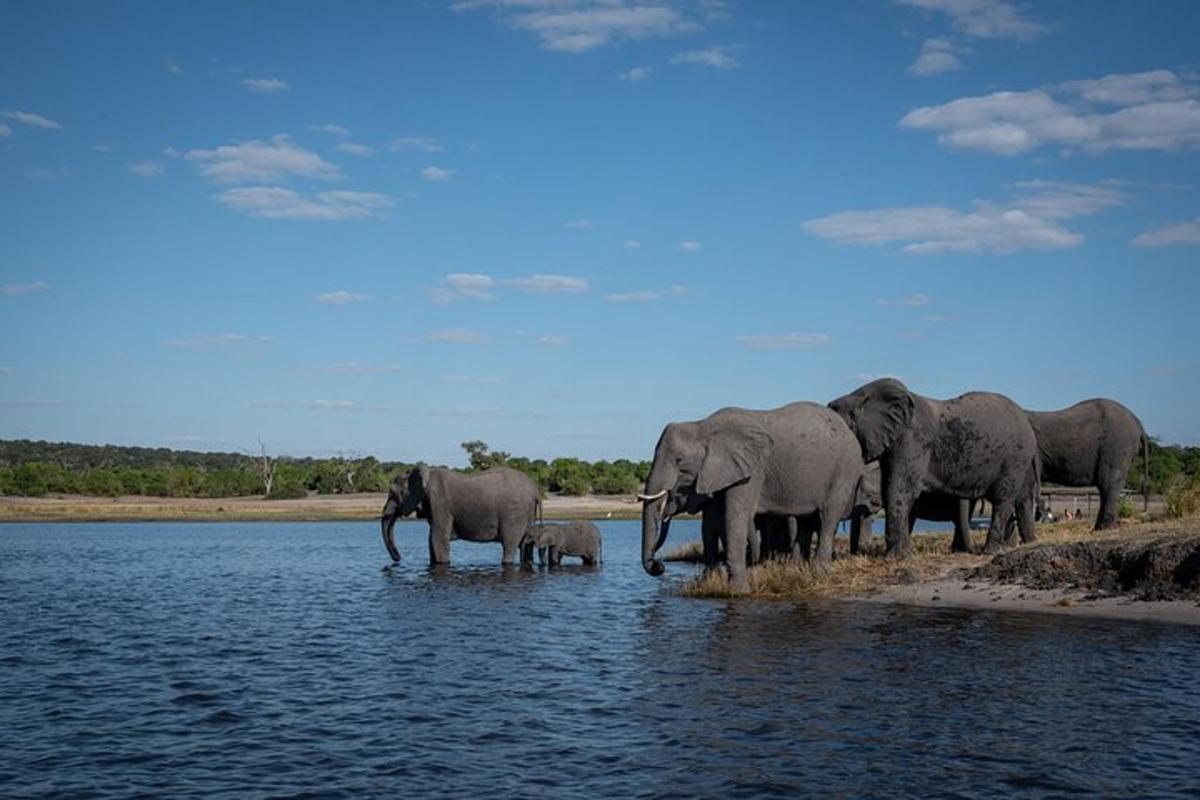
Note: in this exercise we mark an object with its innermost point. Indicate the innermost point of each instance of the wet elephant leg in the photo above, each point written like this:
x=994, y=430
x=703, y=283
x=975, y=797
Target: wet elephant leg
x=962, y=528
x=739, y=517
x=439, y=543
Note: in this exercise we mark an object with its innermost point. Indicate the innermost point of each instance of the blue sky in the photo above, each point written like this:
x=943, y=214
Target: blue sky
x=558, y=224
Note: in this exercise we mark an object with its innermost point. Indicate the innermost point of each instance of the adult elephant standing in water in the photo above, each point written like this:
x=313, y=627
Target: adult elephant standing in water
x=798, y=459
x=977, y=445
x=1092, y=443
x=496, y=505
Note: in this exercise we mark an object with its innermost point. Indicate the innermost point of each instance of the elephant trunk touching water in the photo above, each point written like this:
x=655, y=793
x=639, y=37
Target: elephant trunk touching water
x=387, y=523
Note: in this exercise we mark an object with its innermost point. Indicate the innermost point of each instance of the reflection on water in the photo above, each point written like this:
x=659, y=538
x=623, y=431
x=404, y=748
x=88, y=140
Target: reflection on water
x=261, y=659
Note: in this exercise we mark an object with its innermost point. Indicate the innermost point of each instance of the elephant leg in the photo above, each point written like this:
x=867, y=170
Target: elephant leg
x=806, y=529
x=793, y=538
x=829, y=524
x=860, y=531
x=439, y=543
x=555, y=556
x=1002, y=510
x=1110, y=498
x=962, y=528
x=1026, y=521
x=712, y=522
x=754, y=548
x=739, y=517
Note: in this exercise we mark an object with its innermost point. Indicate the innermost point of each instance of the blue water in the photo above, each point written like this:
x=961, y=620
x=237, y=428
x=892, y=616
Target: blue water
x=280, y=660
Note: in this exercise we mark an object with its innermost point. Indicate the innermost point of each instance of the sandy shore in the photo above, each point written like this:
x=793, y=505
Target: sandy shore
x=318, y=508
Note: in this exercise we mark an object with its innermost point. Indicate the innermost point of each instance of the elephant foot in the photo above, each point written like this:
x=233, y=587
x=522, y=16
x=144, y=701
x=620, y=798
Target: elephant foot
x=739, y=584
x=1106, y=525
x=992, y=548
x=897, y=553
x=959, y=547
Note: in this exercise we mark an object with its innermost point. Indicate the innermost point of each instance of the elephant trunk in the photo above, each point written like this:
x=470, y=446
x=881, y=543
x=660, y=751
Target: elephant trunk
x=387, y=524
x=654, y=531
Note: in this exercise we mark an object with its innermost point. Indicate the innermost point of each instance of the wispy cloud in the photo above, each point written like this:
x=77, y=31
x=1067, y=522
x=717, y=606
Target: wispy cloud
x=356, y=368
x=632, y=244
x=275, y=202
x=784, y=341
x=421, y=144
x=463, y=286
x=223, y=340
x=647, y=295
x=984, y=19
x=937, y=56
x=580, y=224
x=5, y=131
x=47, y=173
x=688, y=246
x=31, y=119
x=265, y=85
x=18, y=289
x=259, y=161
x=145, y=169
x=635, y=74
x=355, y=149
x=552, y=341
x=1029, y=221
x=1183, y=233
x=551, y=284
x=470, y=380
x=331, y=129
x=717, y=57
x=1154, y=110
x=341, y=297
x=912, y=301
x=437, y=174
x=455, y=336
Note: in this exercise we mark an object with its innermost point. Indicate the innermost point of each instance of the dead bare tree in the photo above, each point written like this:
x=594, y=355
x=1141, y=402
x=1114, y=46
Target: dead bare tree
x=266, y=466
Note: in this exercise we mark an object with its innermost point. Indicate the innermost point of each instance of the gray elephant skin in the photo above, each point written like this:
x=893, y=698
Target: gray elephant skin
x=496, y=505
x=929, y=506
x=795, y=460
x=1092, y=443
x=555, y=540
x=977, y=445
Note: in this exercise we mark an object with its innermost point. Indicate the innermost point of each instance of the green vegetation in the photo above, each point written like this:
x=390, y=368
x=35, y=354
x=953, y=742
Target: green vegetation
x=1183, y=498
x=569, y=476
x=1169, y=465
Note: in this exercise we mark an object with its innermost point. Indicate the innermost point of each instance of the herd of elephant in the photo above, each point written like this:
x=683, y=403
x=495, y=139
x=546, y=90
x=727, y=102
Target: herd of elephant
x=765, y=483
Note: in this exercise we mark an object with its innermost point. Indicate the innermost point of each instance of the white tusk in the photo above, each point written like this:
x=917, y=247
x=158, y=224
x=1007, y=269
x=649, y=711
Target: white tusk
x=647, y=497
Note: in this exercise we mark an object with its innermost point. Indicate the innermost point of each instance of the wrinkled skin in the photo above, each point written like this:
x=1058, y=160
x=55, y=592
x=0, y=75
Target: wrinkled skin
x=553, y=541
x=1092, y=443
x=496, y=505
x=977, y=445
x=929, y=506
x=795, y=460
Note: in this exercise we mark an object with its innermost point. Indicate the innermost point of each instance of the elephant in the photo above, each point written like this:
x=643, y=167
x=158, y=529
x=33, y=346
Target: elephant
x=580, y=538
x=979, y=444
x=1092, y=443
x=930, y=506
x=797, y=459
x=498, y=504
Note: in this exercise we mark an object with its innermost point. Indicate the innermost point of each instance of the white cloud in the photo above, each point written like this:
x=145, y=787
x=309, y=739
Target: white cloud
x=355, y=149
x=580, y=224
x=912, y=301
x=551, y=284
x=1183, y=233
x=18, y=289
x=635, y=74
x=784, y=341
x=275, y=202
x=437, y=174
x=455, y=336
x=1140, y=111
x=333, y=130
x=29, y=118
x=984, y=19
x=647, y=295
x=174, y=68
x=632, y=244
x=265, y=85
x=146, y=169
x=552, y=341
x=937, y=56
x=690, y=246
x=261, y=161
x=355, y=368
x=341, y=297
x=576, y=26
x=5, y=131
x=717, y=57
x=1030, y=221
x=422, y=144
x=207, y=341
x=463, y=285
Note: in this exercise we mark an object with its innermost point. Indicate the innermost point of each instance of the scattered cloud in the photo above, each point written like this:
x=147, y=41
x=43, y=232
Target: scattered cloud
x=937, y=56
x=482, y=412
x=261, y=161
x=635, y=74
x=31, y=119
x=355, y=149
x=226, y=340
x=1183, y=233
x=1029, y=221
x=174, y=68
x=717, y=57
x=912, y=301
x=333, y=130
x=422, y=144
x=265, y=85
x=463, y=286
x=784, y=341
x=18, y=289
x=455, y=336
x=341, y=297
x=146, y=169
x=580, y=224
x=551, y=284
x=632, y=244
x=437, y=174
x=355, y=368
x=691, y=247
x=577, y=26
x=647, y=295
x=275, y=202
x=470, y=380
x=984, y=19
x=5, y=131
x=1154, y=110
x=552, y=341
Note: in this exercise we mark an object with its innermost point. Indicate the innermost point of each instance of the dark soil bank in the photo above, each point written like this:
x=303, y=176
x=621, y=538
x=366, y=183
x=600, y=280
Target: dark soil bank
x=1152, y=567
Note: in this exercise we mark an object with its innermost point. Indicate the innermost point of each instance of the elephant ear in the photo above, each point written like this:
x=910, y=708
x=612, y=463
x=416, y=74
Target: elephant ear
x=886, y=411
x=734, y=454
x=418, y=479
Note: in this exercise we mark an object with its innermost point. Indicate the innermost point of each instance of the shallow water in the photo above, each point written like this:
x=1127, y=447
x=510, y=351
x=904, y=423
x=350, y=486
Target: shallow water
x=273, y=660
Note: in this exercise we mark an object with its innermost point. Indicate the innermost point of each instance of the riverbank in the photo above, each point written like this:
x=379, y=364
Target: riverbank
x=1142, y=571
x=317, y=508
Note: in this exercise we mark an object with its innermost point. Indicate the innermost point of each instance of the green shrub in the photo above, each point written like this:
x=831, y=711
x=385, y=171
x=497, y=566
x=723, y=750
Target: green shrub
x=1126, y=509
x=1183, y=498
x=288, y=487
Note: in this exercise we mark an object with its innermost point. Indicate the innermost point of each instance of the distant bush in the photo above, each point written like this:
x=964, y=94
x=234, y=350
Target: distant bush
x=1126, y=509
x=1183, y=499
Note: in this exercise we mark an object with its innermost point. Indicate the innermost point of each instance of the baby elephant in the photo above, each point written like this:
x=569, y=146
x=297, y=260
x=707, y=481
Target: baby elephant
x=580, y=538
